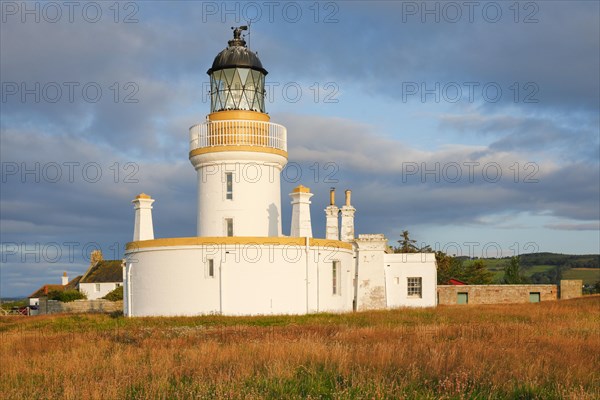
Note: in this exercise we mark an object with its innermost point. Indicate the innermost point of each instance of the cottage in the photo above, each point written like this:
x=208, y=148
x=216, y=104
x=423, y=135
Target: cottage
x=34, y=298
x=102, y=277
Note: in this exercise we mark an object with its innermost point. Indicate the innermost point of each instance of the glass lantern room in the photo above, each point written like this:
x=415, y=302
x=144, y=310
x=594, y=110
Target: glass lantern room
x=237, y=78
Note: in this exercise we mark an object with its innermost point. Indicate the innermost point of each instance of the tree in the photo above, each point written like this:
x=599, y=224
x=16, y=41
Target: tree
x=448, y=267
x=66, y=296
x=115, y=295
x=512, y=273
x=476, y=273
x=407, y=245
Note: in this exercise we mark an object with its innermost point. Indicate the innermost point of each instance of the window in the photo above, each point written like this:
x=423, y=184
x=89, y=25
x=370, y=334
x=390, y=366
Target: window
x=210, y=268
x=229, y=186
x=97, y=287
x=414, y=287
x=229, y=226
x=335, y=278
x=462, y=298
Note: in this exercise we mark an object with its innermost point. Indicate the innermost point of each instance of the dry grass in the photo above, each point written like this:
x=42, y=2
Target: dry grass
x=548, y=350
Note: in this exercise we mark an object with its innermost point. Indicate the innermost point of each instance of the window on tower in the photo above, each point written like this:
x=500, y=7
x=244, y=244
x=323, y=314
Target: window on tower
x=335, y=277
x=229, y=226
x=229, y=186
x=210, y=267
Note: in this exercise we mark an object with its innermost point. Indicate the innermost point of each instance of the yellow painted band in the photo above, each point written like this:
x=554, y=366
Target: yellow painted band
x=238, y=114
x=256, y=149
x=197, y=241
x=301, y=189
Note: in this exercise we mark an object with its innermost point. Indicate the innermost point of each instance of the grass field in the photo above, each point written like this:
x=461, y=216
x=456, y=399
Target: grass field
x=589, y=275
x=531, y=351
x=496, y=266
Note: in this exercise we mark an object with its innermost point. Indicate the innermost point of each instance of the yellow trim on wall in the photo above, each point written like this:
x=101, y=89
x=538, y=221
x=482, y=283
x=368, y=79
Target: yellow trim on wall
x=238, y=114
x=198, y=241
x=256, y=149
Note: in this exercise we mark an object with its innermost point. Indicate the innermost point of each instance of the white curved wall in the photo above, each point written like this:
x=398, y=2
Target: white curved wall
x=255, y=206
x=248, y=279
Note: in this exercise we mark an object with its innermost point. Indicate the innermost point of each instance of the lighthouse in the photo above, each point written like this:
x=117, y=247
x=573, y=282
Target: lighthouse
x=239, y=263
x=238, y=153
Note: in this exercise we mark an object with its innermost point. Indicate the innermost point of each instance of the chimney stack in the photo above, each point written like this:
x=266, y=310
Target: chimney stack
x=95, y=257
x=143, y=229
x=301, y=225
x=65, y=278
x=332, y=218
x=348, y=211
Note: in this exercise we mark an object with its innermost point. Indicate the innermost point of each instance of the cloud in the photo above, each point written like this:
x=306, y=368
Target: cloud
x=567, y=138
x=592, y=226
x=547, y=152
x=392, y=174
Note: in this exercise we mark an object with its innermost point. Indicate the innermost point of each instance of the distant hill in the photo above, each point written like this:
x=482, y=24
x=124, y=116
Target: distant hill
x=562, y=260
x=550, y=267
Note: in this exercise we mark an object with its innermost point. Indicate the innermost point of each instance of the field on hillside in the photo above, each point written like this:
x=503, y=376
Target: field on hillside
x=587, y=275
x=496, y=265
x=532, y=351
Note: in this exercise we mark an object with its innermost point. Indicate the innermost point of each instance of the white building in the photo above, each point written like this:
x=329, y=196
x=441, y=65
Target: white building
x=240, y=263
x=102, y=277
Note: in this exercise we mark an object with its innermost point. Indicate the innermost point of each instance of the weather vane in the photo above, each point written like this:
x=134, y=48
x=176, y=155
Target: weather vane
x=237, y=31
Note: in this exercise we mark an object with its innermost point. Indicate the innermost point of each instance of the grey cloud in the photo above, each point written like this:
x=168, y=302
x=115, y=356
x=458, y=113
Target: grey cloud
x=592, y=226
x=571, y=138
x=369, y=50
x=373, y=163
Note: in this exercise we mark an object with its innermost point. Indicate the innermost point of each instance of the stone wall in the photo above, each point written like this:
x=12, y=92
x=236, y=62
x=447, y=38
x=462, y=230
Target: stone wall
x=495, y=294
x=570, y=289
x=79, y=306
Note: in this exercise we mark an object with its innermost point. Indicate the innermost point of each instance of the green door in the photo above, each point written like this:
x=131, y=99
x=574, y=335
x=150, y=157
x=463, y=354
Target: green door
x=463, y=298
x=534, y=297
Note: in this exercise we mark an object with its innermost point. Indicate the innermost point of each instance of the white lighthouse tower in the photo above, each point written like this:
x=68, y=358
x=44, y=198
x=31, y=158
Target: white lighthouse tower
x=238, y=153
x=239, y=263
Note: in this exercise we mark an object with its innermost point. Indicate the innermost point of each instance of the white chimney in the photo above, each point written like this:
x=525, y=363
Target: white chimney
x=301, y=225
x=65, y=279
x=332, y=218
x=143, y=229
x=348, y=211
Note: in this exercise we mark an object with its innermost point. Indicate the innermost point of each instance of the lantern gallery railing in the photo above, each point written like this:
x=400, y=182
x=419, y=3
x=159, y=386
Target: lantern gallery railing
x=238, y=133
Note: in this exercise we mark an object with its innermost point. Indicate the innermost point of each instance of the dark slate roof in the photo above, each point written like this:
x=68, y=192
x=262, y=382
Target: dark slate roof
x=237, y=55
x=44, y=290
x=104, y=271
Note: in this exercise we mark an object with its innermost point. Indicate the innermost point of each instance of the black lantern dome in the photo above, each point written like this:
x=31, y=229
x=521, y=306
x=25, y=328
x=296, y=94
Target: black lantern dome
x=237, y=77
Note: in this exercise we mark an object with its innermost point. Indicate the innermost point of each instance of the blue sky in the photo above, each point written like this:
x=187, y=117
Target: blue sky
x=476, y=129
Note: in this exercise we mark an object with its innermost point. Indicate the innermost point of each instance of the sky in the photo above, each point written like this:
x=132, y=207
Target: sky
x=473, y=125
